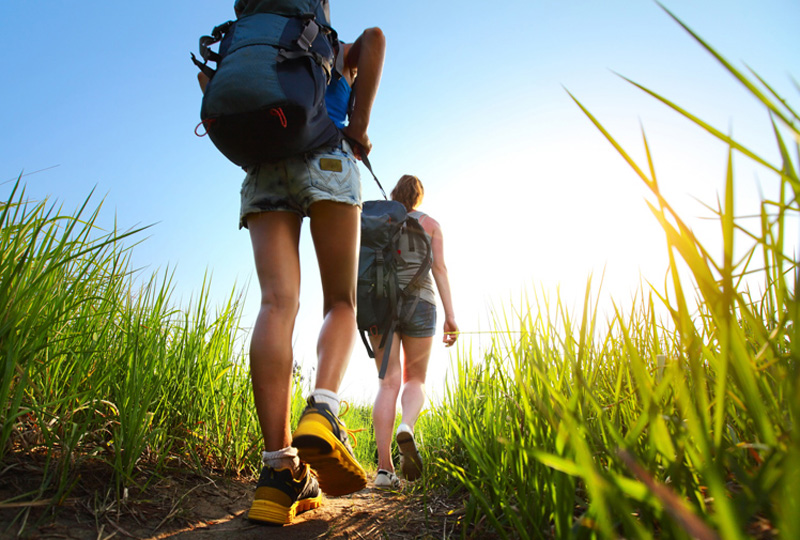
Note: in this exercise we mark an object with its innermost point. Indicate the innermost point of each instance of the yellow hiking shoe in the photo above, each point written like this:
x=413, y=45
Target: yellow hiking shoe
x=279, y=497
x=322, y=441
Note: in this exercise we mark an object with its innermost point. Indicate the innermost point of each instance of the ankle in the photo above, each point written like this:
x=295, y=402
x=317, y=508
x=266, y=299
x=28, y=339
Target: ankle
x=328, y=397
x=403, y=427
x=285, y=458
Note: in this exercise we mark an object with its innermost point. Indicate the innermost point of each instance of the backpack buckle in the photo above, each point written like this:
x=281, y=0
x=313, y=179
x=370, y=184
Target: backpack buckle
x=306, y=38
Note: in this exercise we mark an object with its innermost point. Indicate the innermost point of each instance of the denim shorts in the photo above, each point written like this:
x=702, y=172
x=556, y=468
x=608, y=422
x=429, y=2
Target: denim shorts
x=295, y=183
x=422, y=323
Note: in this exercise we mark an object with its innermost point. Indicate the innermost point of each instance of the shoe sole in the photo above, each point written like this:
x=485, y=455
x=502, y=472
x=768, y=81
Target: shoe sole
x=338, y=472
x=412, y=462
x=273, y=513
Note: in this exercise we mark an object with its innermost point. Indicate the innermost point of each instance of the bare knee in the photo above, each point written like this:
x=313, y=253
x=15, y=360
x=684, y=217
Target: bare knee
x=412, y=375
x=279, y=304
x=391, y=382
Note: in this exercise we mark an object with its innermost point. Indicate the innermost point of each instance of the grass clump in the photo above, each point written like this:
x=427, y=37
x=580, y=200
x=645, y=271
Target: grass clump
x=102, y=376
x=99, y=366
x=679, y=427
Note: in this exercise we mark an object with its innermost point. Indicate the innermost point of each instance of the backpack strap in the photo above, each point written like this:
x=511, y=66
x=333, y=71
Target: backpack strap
x=205, y=68
x=413, y=288
x=205, y=49
x=364, y=339
x=338, y=63
x=365, y=160
x=386, y=345
x=427, y=261
x=388, y=336
x=379, y=271
x=304, y=43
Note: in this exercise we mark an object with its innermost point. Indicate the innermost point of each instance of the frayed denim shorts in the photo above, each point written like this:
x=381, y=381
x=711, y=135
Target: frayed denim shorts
x=421, y=323
x=295, y=183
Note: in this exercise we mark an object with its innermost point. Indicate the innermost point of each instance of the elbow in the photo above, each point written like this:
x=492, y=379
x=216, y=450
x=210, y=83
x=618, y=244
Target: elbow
x=374, y=38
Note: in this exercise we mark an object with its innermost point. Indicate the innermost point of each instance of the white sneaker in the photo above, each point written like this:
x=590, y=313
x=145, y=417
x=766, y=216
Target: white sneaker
x=386, y=480
x=412, y=462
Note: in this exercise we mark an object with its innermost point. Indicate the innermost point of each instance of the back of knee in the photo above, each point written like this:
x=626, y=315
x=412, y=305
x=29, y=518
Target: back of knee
x=345, y=305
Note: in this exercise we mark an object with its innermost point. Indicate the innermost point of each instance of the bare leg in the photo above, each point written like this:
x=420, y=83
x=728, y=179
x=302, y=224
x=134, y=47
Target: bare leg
x=320, y=437
x=275, y=237
x=335, y=228
x=416, y=353
x=384, y=411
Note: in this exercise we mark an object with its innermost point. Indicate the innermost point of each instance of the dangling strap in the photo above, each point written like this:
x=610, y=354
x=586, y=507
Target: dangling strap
x=387, y=348
x=363, y=335
x=385, y=344
x=205, y=49
x=363, y=153
x=205, y=68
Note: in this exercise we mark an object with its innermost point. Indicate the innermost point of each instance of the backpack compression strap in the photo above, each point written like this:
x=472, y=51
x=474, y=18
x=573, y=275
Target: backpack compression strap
x=304, y=42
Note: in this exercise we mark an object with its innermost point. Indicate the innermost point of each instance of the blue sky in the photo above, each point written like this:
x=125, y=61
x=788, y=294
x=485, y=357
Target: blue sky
x=473, y=101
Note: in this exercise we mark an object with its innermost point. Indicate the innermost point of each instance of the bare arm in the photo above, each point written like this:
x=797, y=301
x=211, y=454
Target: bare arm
x=203, y=80
x=442, y=280
x=364, y=61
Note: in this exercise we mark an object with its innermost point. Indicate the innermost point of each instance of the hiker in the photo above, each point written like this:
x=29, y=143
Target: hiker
x=324, y=185
x=414, y=336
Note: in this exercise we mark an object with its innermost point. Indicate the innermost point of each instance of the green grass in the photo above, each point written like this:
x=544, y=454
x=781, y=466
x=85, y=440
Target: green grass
x=98, y=365
x=574, y=430
x=673, y=418
x=100, y=369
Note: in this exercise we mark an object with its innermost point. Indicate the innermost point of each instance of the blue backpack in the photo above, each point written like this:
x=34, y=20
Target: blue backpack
x=379, y=296
x=266, y=99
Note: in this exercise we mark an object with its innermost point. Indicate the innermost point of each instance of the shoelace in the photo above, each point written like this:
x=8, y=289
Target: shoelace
x=351, y=432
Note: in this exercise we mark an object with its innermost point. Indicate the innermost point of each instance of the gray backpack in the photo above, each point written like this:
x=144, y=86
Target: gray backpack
x=379, y=295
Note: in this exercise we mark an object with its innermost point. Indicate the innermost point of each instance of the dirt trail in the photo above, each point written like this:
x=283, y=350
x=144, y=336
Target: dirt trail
x=366, y=514
x=206, y=508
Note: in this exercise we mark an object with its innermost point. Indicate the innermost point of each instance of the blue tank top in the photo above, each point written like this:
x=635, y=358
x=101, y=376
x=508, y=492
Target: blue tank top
x=337, y=99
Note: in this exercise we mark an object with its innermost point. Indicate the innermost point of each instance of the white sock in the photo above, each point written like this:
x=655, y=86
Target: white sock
x=285, y=458
x=405, y=427
x=329, y=398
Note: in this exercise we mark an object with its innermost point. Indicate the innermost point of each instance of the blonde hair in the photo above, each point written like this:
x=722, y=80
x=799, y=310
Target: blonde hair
x=408, y=191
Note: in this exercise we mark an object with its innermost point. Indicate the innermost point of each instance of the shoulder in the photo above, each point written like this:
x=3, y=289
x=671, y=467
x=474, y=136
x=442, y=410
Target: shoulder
x=430, y=225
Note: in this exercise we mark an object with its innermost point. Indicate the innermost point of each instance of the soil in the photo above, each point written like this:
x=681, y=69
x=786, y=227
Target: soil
x=192, y=507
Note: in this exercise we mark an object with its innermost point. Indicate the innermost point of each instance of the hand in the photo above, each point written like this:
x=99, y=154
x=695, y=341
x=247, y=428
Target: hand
x=450, y=332
x=359, y=136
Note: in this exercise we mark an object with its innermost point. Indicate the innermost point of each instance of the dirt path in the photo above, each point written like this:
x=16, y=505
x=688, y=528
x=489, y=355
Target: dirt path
x=366, y=514
x=206, y=508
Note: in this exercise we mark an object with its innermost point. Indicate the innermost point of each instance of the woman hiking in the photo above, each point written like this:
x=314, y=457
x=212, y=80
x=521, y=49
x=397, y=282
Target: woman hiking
x=325, y=186
x=414, y=338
